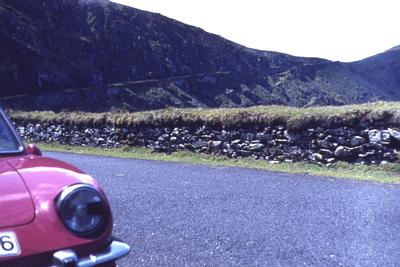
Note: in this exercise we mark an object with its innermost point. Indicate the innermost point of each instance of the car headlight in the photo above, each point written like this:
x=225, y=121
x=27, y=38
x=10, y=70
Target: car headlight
x=82, y=210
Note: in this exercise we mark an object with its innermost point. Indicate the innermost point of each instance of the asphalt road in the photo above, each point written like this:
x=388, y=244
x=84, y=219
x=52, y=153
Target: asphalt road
x=188, y=215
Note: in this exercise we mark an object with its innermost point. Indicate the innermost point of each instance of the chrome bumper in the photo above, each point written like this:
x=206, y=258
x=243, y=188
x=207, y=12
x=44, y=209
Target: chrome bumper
x=68, y=258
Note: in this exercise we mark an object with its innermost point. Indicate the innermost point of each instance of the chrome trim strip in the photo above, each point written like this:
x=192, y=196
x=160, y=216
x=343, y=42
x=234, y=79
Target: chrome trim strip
x=113, y=252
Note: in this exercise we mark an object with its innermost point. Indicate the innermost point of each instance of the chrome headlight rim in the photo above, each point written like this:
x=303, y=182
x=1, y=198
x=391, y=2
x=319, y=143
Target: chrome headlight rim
x=62, y=202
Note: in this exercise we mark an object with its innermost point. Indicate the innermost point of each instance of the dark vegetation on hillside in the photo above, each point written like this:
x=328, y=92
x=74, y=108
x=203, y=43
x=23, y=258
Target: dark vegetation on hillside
x=98, y=56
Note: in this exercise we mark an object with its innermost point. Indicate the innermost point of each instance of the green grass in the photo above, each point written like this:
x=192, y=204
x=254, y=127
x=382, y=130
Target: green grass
x=293, y=118
x=389, y=173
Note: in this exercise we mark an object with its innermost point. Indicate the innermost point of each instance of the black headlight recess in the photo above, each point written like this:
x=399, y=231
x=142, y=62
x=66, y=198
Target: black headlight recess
x=82, y=210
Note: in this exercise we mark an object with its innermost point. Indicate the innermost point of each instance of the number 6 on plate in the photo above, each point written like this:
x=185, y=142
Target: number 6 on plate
x=8, y=244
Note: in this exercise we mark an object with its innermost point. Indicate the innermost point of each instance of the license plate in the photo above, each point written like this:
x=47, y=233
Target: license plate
x=8, y=244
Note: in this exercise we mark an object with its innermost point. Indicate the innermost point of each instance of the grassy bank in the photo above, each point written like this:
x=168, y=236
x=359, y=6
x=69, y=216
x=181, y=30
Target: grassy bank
x=389, y=173
x=293, y=118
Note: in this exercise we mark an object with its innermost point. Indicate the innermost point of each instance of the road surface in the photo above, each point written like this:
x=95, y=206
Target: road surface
x=190, y=215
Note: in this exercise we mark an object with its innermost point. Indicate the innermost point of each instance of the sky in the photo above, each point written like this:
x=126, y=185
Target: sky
x=339, y=30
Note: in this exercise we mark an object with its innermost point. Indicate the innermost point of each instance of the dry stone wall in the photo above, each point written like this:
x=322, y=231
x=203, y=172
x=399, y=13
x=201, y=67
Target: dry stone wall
x=364, y=144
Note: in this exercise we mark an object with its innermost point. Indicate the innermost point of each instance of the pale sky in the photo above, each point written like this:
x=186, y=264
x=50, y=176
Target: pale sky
x=344, y=30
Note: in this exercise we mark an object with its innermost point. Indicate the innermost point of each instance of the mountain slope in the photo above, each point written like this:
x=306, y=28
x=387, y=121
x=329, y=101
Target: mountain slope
x=95, y=55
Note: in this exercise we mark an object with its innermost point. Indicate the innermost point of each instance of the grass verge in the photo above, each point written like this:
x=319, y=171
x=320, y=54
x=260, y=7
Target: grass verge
x=389, y=173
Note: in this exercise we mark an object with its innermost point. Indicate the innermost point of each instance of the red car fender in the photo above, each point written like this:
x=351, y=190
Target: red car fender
x=45, y=178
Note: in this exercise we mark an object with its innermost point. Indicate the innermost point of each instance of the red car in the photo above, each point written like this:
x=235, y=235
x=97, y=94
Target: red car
x=51, y=213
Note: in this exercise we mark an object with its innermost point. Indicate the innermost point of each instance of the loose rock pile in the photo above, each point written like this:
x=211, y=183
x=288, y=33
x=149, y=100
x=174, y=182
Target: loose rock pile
x=362, y=145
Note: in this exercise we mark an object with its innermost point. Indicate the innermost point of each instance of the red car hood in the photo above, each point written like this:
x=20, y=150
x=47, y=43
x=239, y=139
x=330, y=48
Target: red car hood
x=27, y=182
x=15, y=201
x=29, y=187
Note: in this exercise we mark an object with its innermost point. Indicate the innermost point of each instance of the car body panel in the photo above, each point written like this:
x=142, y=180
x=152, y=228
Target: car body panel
x=45, y=178
x=15, y=201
